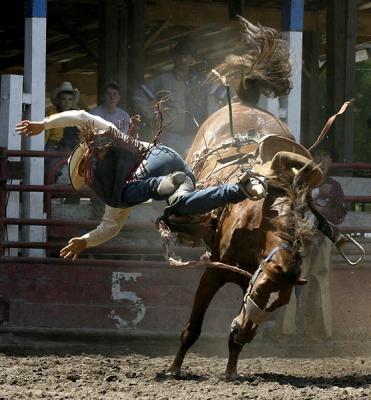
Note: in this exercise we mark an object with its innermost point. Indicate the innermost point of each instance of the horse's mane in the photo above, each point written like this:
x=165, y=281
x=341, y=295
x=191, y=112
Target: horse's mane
x=291, y=225
x=265, y=68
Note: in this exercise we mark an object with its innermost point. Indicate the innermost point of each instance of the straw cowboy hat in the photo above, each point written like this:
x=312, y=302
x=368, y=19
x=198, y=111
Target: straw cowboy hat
x=269, y=145
x=279, y=154
x=66, y=87
x=297, y=163
x=74, y=160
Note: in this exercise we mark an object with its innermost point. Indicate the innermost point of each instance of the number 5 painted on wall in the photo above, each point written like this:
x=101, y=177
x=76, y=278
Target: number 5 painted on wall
x=119, y=295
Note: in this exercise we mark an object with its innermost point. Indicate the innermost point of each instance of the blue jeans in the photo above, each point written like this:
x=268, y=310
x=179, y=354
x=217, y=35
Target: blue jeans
x=205, y=200
x=162, y=161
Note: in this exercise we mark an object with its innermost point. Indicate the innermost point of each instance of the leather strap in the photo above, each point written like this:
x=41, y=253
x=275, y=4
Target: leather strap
x=329, y=123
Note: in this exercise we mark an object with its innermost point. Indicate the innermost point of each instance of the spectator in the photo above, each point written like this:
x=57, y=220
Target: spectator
x=108, y=110
x=309, y=313
x=186, y=105
x=64, y=98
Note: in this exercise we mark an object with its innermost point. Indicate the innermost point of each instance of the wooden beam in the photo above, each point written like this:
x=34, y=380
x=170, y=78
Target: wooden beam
x=76, y=37
x=84, y=62
x=199, y=14
x=341, y=40
x=211, y=45
x=155, y=34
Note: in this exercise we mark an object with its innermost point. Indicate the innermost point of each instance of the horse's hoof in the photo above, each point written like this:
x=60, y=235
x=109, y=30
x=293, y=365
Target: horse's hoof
x=232, y=376
x=172, y=373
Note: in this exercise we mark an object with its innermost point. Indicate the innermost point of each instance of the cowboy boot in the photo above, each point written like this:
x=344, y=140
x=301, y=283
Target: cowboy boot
x=253, y=187
x=170, y=183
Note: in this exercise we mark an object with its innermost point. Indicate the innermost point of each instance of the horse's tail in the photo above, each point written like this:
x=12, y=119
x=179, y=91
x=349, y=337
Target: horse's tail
x=264, y=69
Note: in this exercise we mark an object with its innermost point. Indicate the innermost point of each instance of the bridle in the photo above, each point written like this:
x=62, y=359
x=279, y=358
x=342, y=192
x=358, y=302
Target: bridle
x=252, y=310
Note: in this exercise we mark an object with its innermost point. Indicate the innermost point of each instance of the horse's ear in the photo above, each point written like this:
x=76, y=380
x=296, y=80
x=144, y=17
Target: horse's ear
x=301, y=282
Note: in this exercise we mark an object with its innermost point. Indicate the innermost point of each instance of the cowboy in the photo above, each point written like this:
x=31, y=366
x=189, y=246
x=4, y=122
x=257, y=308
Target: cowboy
x=125, y=172
x=185, y=106
x=65, y=97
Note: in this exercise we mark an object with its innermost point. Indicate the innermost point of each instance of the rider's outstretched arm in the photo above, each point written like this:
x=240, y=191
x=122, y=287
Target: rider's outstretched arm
x=75, y=118
x=112, y=223
x=61, y=120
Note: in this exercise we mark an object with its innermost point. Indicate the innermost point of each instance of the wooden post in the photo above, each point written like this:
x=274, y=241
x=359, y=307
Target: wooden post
x=113, y=52
x=122, y=46
x=311, y=116
x=10, y=115
x=292, y=27
x=135, y=33
x=34, y=85
x=341, y=41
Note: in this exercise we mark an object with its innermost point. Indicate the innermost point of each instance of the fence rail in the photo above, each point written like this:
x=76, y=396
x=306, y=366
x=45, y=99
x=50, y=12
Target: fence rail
x=55, y=190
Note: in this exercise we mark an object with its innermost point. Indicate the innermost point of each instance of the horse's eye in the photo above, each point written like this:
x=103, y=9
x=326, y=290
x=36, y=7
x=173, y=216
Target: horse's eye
x=278, y=268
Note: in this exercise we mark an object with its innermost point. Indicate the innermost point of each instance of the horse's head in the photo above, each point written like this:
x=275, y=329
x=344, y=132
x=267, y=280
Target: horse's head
x=286, y=233
x=270, y=287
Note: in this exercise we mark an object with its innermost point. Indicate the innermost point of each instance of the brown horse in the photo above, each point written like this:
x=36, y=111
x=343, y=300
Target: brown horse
x=265, y=236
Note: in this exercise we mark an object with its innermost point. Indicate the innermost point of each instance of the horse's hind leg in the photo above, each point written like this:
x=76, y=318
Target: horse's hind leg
x=210, y=283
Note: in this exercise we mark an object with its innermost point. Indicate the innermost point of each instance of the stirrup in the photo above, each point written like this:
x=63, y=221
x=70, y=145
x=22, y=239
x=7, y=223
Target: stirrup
x=342, y=240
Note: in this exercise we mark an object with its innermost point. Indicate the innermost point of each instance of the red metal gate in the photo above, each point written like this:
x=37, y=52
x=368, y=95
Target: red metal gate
x=126, y=293
x=90, y=294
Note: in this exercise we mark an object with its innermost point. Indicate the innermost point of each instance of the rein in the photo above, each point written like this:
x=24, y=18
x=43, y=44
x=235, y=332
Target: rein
x=338, y=238
x=329, y=123
x=252, y=310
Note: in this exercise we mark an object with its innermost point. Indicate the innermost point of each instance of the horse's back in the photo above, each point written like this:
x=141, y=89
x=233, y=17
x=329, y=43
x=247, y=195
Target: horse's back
x=216, y=128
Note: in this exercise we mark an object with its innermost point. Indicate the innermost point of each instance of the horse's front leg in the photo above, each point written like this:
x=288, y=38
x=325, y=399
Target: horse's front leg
x=234, y=352
x=242, y=331
x=210, y=283
x=235, y=349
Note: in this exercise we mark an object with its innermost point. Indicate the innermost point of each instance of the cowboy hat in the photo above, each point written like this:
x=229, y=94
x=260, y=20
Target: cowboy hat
x=77, y=181
x=271, y=144
x=66, y=87
x=297, y=163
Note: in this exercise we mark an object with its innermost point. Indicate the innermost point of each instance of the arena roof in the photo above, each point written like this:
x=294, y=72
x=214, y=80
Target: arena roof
x=73, y=29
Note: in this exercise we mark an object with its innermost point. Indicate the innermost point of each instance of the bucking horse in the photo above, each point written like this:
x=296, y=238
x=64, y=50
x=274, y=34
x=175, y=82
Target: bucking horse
x=258, y=244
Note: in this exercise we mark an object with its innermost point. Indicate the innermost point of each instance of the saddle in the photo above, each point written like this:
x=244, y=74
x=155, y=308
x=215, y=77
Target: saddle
x=266, y=156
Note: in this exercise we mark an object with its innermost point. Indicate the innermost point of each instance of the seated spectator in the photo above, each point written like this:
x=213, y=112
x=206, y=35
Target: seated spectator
x=108, y=109
x=64, y=98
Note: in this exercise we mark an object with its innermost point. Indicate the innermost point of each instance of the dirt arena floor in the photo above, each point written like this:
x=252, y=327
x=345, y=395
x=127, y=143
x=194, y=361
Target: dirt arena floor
x=127, y=369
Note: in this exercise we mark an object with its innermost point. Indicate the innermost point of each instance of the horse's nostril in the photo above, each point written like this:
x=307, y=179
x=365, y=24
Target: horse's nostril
x=234, y=327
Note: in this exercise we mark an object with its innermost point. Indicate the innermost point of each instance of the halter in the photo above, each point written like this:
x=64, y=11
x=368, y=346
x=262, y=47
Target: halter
x=252, y=310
